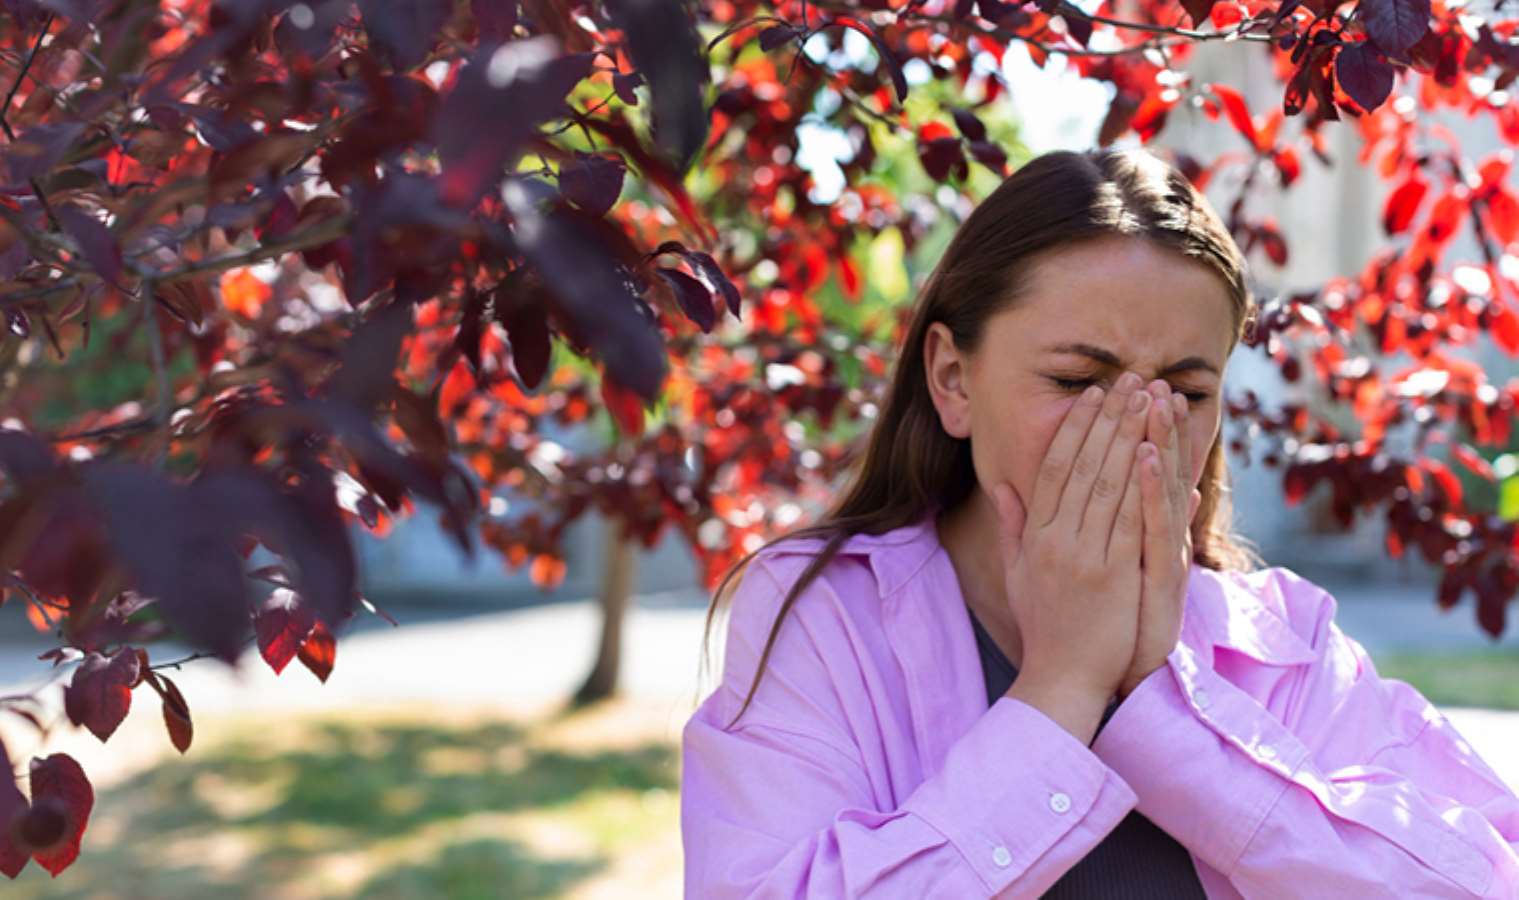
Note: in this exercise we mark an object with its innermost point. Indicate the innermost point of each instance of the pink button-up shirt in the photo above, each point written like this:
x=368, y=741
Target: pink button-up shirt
x=869, y=765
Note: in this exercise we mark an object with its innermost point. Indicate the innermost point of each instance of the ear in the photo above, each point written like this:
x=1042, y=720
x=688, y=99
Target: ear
x=947, y=371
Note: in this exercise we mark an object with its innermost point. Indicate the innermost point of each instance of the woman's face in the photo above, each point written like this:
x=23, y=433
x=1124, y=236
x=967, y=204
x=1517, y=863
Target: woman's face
x=1095, y=310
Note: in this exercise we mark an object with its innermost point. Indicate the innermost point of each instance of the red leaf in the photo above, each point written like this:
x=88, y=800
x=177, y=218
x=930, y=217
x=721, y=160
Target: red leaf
x=624, y=405
x=1237, y=111
x=849, y=277
x=176, y=713
x=1274, y=244
x=1469, y=458
x=59, y=788
x=1449, y=484
x=100, y=693
x=1403, y=202
x=319, y=651
x=282, y=626
x=1503, y=211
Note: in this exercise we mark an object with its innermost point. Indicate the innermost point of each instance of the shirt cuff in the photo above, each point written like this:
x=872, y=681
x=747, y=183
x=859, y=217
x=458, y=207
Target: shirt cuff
x=1161, y=743
x=1013, y=786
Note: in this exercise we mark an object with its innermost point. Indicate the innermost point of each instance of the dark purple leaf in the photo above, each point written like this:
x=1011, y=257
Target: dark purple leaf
x=36, y=151
x=494, y=19
x=941, y=156
x=522, y=309
x=61, y=802
x=1198, y=10
x=23, y=457
x=1364, y=75
x=100, y=693
x=471, y=327
x=624, y=83
x=223, y=132
x=13, y=805
x=707, y=266
x=307, y=28
x=17, y=322
x=888, y=58
x=592, y=182
x=1079, y=28
x=695, y=299
x=403, y=30
x=777, y=36
x=660, y=37
x=188, y=559
x=989, y=155
x=1492, y=602
x=95, y=240
x=303, y=524
x=503, y=94
x=1395, y=25
x=575, y=253
x=969, y=125
x=366, y=368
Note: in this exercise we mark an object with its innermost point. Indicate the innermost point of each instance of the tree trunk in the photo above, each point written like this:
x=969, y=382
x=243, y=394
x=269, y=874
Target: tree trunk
x=616, y=590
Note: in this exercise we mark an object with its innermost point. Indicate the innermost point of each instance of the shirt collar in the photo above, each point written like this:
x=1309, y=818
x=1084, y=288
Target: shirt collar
x=1226, y=609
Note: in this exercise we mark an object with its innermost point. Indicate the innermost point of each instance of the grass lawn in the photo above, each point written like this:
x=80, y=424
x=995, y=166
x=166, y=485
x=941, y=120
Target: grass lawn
x=416, y=804
x=446, y=803
x=1489, y=678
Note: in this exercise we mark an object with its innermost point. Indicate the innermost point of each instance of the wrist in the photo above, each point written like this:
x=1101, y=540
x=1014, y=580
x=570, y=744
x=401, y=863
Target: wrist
x=1075, y=707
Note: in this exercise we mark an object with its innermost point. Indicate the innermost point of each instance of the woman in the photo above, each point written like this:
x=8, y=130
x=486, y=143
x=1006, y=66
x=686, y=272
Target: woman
x=1023, y=655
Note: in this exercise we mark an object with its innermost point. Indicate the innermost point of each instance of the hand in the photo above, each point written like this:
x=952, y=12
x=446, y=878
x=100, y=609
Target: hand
x=1166, y=480
x=1072, y=558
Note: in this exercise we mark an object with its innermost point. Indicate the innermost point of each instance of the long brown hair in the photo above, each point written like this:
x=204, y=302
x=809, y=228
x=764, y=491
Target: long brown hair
x=911, y=466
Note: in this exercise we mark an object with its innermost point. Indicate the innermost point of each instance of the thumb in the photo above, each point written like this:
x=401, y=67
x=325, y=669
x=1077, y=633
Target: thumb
x=1010, y=518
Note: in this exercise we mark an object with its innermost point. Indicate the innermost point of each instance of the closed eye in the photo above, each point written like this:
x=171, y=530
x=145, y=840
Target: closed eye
x=1079, y=384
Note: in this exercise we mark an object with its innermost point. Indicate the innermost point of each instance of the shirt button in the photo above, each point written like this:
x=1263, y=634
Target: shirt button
x=1200, y=697
x=1266, y=751
x=1060, y=802
x=1001, y=857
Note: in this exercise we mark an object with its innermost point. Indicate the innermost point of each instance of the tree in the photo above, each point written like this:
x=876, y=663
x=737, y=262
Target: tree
x=274, y=267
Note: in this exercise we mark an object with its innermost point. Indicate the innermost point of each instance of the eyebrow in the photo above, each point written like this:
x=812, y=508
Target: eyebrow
x=1108, y=358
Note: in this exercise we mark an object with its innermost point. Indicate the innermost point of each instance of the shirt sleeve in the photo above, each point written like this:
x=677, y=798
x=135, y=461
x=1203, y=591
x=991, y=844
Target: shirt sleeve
x=783, y=805
x=1338, y=784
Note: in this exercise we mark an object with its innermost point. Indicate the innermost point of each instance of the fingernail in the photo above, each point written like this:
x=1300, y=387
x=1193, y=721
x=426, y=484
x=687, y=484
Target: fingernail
x=1129, y=381
x=1093, y=394
x=1139, y=401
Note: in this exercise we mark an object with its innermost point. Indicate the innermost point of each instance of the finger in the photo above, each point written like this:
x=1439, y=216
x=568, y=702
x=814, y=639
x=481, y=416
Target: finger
x=1010, y=520
x=1086, y=464
x=1157, y=515
x=1107, y=489
x=1128, y=528
x=1163, y=434
x=1183, y=412
x=1061, y=454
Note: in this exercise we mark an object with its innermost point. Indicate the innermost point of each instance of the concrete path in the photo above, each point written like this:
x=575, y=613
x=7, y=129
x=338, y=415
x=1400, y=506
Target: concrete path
x=524, y=659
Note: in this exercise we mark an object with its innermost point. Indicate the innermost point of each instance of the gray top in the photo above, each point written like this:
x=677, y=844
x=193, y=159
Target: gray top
x=1136, y=859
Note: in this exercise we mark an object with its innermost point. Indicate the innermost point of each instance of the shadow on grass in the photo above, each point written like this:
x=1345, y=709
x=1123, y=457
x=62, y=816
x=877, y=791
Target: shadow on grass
x=357, y=810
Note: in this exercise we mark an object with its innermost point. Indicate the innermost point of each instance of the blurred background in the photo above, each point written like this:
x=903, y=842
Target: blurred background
x=476, y=779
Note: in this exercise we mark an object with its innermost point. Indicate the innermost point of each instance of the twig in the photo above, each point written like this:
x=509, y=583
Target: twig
x=6, y=111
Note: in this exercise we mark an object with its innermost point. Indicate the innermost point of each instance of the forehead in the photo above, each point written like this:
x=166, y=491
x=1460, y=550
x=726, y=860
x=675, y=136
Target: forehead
x=1146, y=303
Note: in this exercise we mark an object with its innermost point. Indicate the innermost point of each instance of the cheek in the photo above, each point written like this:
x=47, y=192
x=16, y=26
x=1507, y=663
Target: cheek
x=1031, y=429
x=1201, y=436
